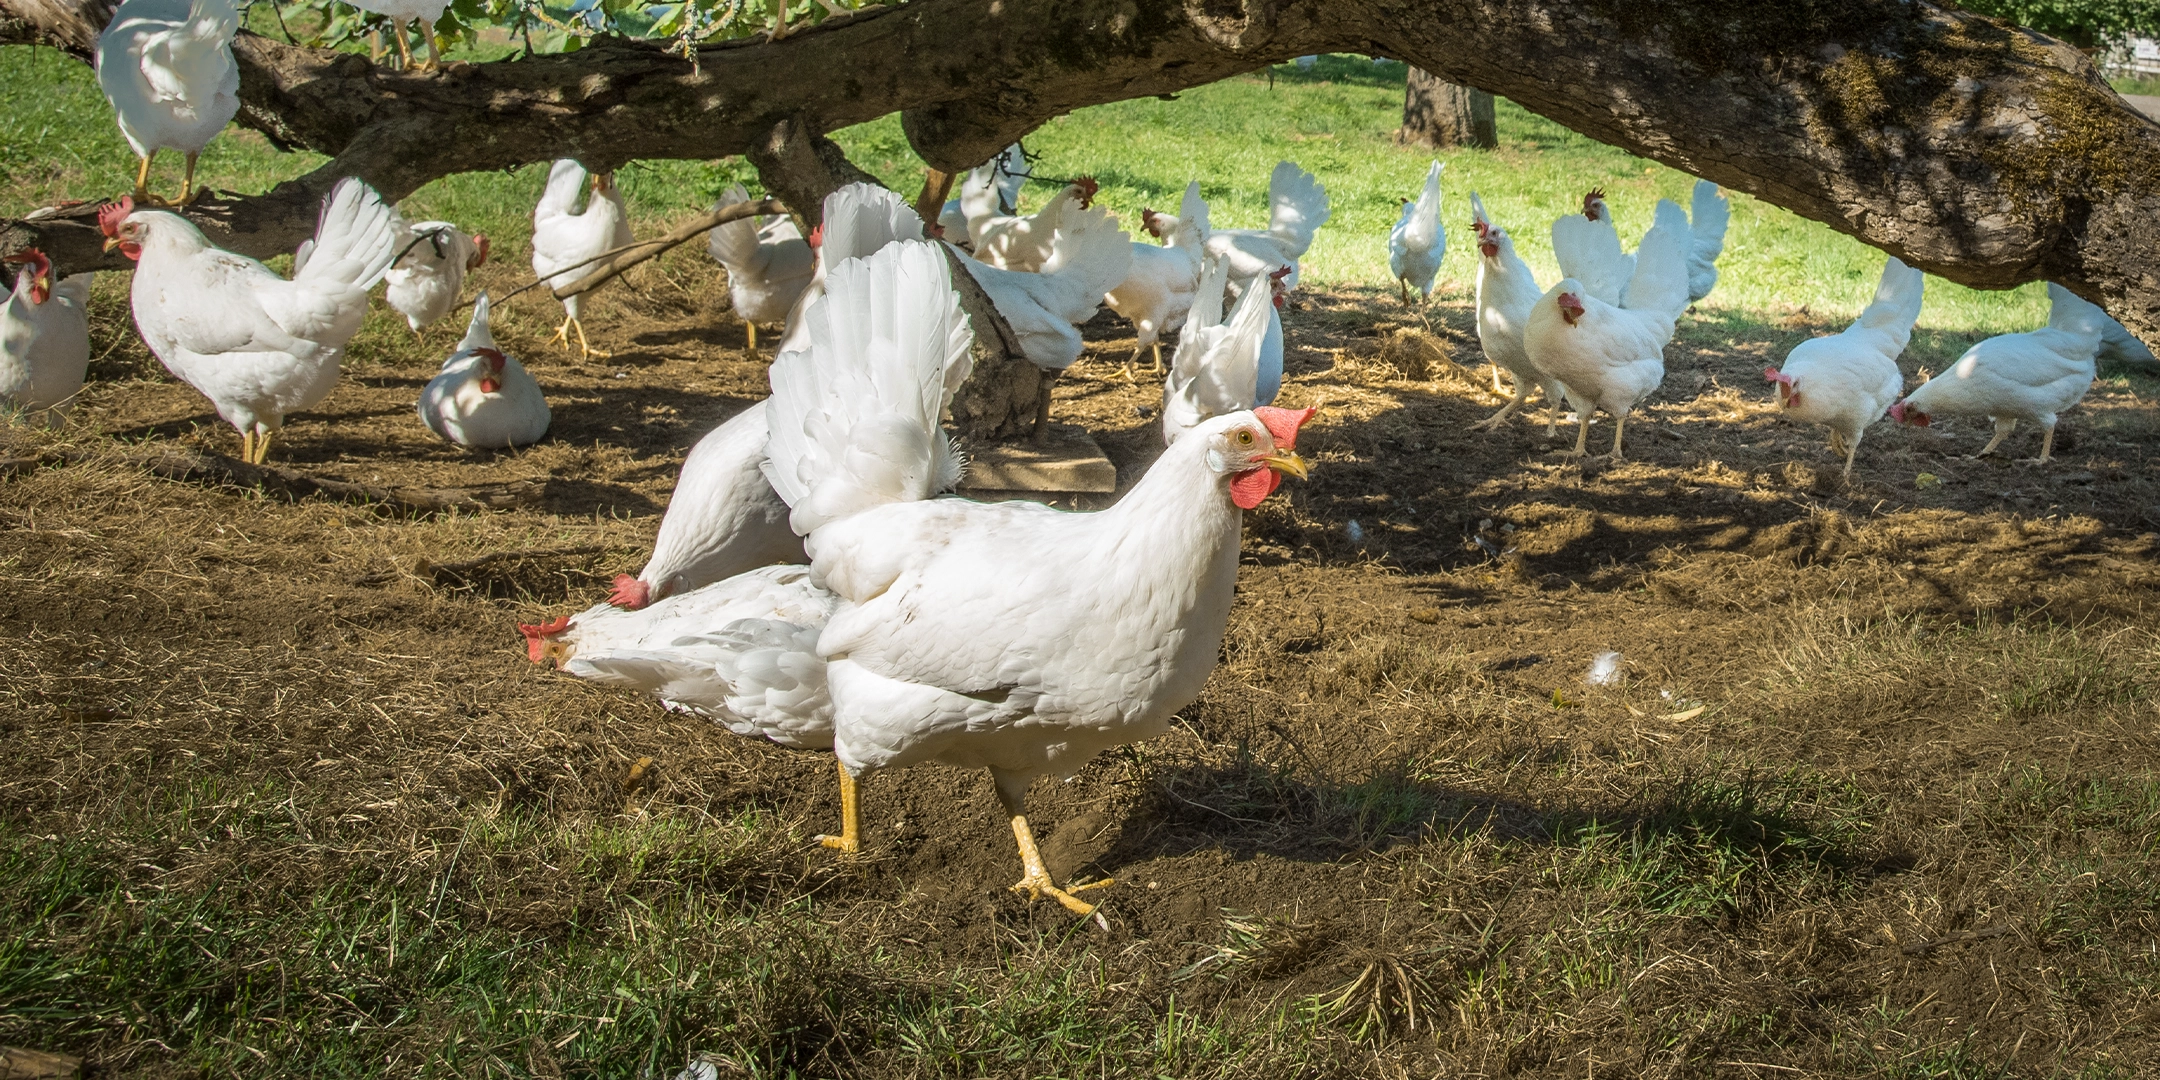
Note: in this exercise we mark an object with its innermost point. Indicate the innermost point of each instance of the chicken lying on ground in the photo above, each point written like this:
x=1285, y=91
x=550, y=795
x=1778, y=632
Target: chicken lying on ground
x=1845, y=381
x=768, y=262
x=1024, y=243
x=1610, y=357
x=425, y=282
x=987, y=191
x=724, y=517
x=167, y=67
x=2031, y=376
x=567, y=244
x=1416, y=244
x=484, y=398
x=1506, y=291
x=258, y=346
x=1159, y=290
x=1297, y=207
x=44, y=338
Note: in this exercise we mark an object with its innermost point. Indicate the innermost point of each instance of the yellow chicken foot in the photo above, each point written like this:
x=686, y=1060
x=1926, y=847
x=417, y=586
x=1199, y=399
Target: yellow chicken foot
x=434, y=50
x=247, y=446
x=1582, y=438
x=187, y=182
x=404, y=48
x=562, y=333
x=850, y=838
x=780, y=28
x=1126, y=373
x=262, y=448
x=584, y=346
x=1035, y=878
x=2002, y=428
x=1158, y=358
x=1619, y=426
x=750, y=328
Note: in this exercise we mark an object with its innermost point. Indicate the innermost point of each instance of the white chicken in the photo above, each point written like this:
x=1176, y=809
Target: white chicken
x=1416, y=244
x=1506, y=291
x=1023, y=243
x=769, y=264
x=987, y=191
x=1587, y=245
x=1216, y=368
x=1159, y=289
x=1845, y=381
x=2031, y=376
x=567, y=244
x=2119, y=344
x=1607, y=356
x=1710, y=215
x=1089, y=256
x=424, y=283
x=167, y=67
x=424, y=12
x=724, y=517
x=1297, y=207
x=44, y=338
x=257, y=345
x=1006, y=636
x=742, y=651
x=858, y=220
x=484, y=398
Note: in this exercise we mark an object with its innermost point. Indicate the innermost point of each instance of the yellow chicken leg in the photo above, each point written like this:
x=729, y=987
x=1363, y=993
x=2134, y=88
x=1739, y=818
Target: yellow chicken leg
x=1034, y=877
x=247, y=445
x=850, y=838
x=1619, y=426
x=1158, y=358
x=404, y=48
x=585, y=347
x=187, y=182
x=434, y=49
x=262, y=448
x=750, y=328
x=142, y=178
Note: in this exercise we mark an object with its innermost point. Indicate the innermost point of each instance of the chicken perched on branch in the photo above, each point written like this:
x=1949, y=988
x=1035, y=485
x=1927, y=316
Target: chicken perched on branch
x=44, y=338
x=724, y=517
x=167, y=67
x=426, y=13
x=1606, y=356
x=1847, y=380
x=1159, y=289
x=1297, y=207
x=986, y=192
x=1023, y=243
x=484, y=397
x=1506, y=291
x=1416, y=243
x=568, y=243
x=424, y=283
x=769, y=264
x=2031, y=376
x=258, y=346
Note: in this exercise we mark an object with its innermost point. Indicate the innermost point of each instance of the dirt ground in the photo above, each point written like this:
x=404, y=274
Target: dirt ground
x=1385, y=691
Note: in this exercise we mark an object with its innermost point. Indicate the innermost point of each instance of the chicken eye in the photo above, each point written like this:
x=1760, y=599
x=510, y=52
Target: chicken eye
x=1244, y=437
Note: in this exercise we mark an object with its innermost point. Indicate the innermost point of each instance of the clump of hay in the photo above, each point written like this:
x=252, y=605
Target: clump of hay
x=1407, y=353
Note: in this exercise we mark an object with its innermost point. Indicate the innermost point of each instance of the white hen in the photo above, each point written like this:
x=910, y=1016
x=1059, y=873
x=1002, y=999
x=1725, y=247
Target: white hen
x=1159, y=290
x=167, y=67
x=258, y=346
x=44, y=337
x=424, y=12
x=2011, y=377
x=858, y=220
x=567, y=244
x=1216, y=369
x=1089, y=256
x=1845, y=381
x=1607, y=356
x=1297, y=207
x=769, y=264
x=423, y=285
x=987, y=191
x=1023, y=243
x=484, y=398
x=1416, y=244
x=1587, y=247
x=1710, y=216
x=1506, y=291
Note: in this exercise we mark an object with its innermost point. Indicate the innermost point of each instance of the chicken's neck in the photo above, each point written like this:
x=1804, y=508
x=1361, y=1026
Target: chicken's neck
x=1179, y=516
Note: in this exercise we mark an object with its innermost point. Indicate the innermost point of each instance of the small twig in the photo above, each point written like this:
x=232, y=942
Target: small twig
x=1959, y=939
x=616, y=260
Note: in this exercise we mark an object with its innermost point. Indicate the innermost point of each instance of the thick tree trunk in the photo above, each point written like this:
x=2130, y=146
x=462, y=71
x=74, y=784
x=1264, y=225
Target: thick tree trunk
x=1444, y=116
x=1975, y=150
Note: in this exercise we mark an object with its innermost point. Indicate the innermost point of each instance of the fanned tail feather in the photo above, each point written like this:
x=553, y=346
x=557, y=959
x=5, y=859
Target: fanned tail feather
x=734, y=244
x=1297, y=207
x=860, y=219
x=1896, y=306
x=1660, y=281
x=357, y=237
x=1708, y=221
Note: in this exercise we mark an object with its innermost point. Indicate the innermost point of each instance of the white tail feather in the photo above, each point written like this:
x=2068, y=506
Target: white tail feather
x=862, y=218
x=1660, y=281
x=1193, y=208
x=1297, y=207
x=1896, y=305
x=478, y=334
x=1708, y=221
x=357, y=236
x=735, y=244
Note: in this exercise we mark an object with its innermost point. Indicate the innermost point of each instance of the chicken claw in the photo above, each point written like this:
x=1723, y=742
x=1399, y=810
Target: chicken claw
x=1035, y=878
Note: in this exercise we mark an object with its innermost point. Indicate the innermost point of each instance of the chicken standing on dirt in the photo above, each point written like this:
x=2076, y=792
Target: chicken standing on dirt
x=1007, y=636
x=768, y=262
x=167, y=67
x=1216, y=369
x=426, y=281
x=1416, y=244
x=258, y=346
x=1159, y=290
x=1024, y=243
x=1607, y=356
x=1506, y=291
x=2011, y=377
x=484, y=398
x=1297, y=207
x=568, y=245
x=1846, y=381
x=44, y=338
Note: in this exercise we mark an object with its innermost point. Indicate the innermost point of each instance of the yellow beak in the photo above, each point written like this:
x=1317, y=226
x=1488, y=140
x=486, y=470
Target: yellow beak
x=1287, y=462
x=111, y=242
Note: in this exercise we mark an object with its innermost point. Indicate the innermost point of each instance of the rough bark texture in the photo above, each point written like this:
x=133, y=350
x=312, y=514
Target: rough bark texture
x=1980, y=152
x=1444, y=116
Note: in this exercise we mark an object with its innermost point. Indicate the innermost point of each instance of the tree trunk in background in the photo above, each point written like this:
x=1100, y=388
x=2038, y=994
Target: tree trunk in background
x=1445, y=116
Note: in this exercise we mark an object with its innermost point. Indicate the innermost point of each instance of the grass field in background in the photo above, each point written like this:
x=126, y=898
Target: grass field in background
x=57, y=140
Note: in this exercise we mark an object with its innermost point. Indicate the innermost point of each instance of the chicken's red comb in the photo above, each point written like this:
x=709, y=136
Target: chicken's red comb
x=1774, y=375
x=536, y=637
x=1147, y=221
x=32, y=256
x=1590, y=201
x=1284, y=423
x=629, y=593
x=1279, y=273
x=110, y=215
x=817, y=235
x=480, y=241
